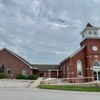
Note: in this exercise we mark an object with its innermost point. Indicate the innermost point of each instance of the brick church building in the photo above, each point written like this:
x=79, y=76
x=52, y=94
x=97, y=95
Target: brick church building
x=84, y=64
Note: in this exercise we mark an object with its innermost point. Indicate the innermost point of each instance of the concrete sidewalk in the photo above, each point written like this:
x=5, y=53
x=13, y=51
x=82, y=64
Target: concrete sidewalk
x=37, y=82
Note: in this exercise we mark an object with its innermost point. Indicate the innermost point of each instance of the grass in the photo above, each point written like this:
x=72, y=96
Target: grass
x=70, y=88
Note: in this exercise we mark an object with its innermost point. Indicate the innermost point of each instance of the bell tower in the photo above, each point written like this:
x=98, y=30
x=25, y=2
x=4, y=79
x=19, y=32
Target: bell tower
x=91, y=40
x=90, y=32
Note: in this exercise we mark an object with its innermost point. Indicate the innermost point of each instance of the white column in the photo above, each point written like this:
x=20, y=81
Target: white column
x=49, y=73
x=97, y=76
x=57, y=73
x=31, y=72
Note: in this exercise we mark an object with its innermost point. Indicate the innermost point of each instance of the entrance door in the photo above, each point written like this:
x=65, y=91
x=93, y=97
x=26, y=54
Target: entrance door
x=97, y=75
x=41, y=73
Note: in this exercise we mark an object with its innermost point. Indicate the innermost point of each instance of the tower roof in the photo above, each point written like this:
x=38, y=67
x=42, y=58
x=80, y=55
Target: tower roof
x=89, y=25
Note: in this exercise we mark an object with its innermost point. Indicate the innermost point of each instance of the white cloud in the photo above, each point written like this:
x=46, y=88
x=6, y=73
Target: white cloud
x=97, y=1
x=45, y=31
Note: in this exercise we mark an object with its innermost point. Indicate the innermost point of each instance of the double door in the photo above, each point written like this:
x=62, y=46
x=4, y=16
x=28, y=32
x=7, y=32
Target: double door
x=97, y=75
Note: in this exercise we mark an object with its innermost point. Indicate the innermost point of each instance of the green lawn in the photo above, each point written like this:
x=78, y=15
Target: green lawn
x=70, y=88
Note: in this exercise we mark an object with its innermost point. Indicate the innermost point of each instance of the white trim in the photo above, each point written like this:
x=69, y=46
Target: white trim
x=74, y=53
x=23, y=72
x=81, y=70
x=8, y=70
x=78, y=51
x=65, y=59
x=16, y=57
x=53, y=70
x=35, y=68
x=93, y=28
x=97, y=61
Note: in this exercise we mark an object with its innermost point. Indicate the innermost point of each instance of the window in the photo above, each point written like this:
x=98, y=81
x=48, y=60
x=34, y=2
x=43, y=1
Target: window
x=23, y=72
x=96, y=63
x=95, y=33
x=9, y=70
x=83, y=36
x=90, y=33
x=79, y=68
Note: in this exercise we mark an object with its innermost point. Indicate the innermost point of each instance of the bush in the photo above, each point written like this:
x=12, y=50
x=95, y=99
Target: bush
x=2, y=75
x=33, y=77
x=20, y=76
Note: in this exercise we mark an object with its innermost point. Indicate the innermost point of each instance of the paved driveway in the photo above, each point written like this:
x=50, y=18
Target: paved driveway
x=39, y=94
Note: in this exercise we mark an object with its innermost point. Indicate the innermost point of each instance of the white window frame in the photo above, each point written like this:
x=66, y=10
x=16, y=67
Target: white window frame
x=79, y=69
x=96, y=65
x=95, y=33
x=90, y=33
x=23, y=72
x=9, y=69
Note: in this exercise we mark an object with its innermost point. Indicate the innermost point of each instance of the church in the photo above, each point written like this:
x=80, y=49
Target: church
x=82, y=66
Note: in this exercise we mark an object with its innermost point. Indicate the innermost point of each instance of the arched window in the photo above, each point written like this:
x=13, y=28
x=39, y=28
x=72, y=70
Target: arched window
x=79, y=68
x=96, y=63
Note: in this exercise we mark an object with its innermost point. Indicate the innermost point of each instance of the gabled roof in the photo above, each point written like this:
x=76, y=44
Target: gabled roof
x=74, y=53
x=17, y=56
x=46, y=67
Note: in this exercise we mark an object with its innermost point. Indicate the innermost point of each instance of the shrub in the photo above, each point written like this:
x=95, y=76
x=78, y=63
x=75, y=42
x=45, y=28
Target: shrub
x=33, y=77
x=20, y=76
x=2, y=75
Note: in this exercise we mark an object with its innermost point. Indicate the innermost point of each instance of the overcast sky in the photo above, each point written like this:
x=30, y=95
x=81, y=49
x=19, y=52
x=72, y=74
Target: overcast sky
x=45, y=31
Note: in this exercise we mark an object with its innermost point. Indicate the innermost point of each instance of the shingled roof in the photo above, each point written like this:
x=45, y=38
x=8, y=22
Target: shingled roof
x=45, y=67
x=41, y=67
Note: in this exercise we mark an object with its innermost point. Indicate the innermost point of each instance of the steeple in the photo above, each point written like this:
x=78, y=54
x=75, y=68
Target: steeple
x=90, y=31
x=89, y=25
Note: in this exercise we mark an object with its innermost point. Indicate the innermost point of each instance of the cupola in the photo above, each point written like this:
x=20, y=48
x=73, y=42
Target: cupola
x=90, y=32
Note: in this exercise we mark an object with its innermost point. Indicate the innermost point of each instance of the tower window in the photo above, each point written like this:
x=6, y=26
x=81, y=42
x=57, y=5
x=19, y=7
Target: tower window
x=90, y=33
x=95, y=33
x=83, y=36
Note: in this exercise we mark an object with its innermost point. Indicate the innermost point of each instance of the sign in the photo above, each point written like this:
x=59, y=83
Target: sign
x=26, y=76
x=11, y=75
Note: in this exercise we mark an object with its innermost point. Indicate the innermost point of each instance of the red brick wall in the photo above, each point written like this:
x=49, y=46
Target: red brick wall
x=11, y=61
x=87, y=56
x=36, y=72
x=72, y=63
x=91, y=55
x=45, y=73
